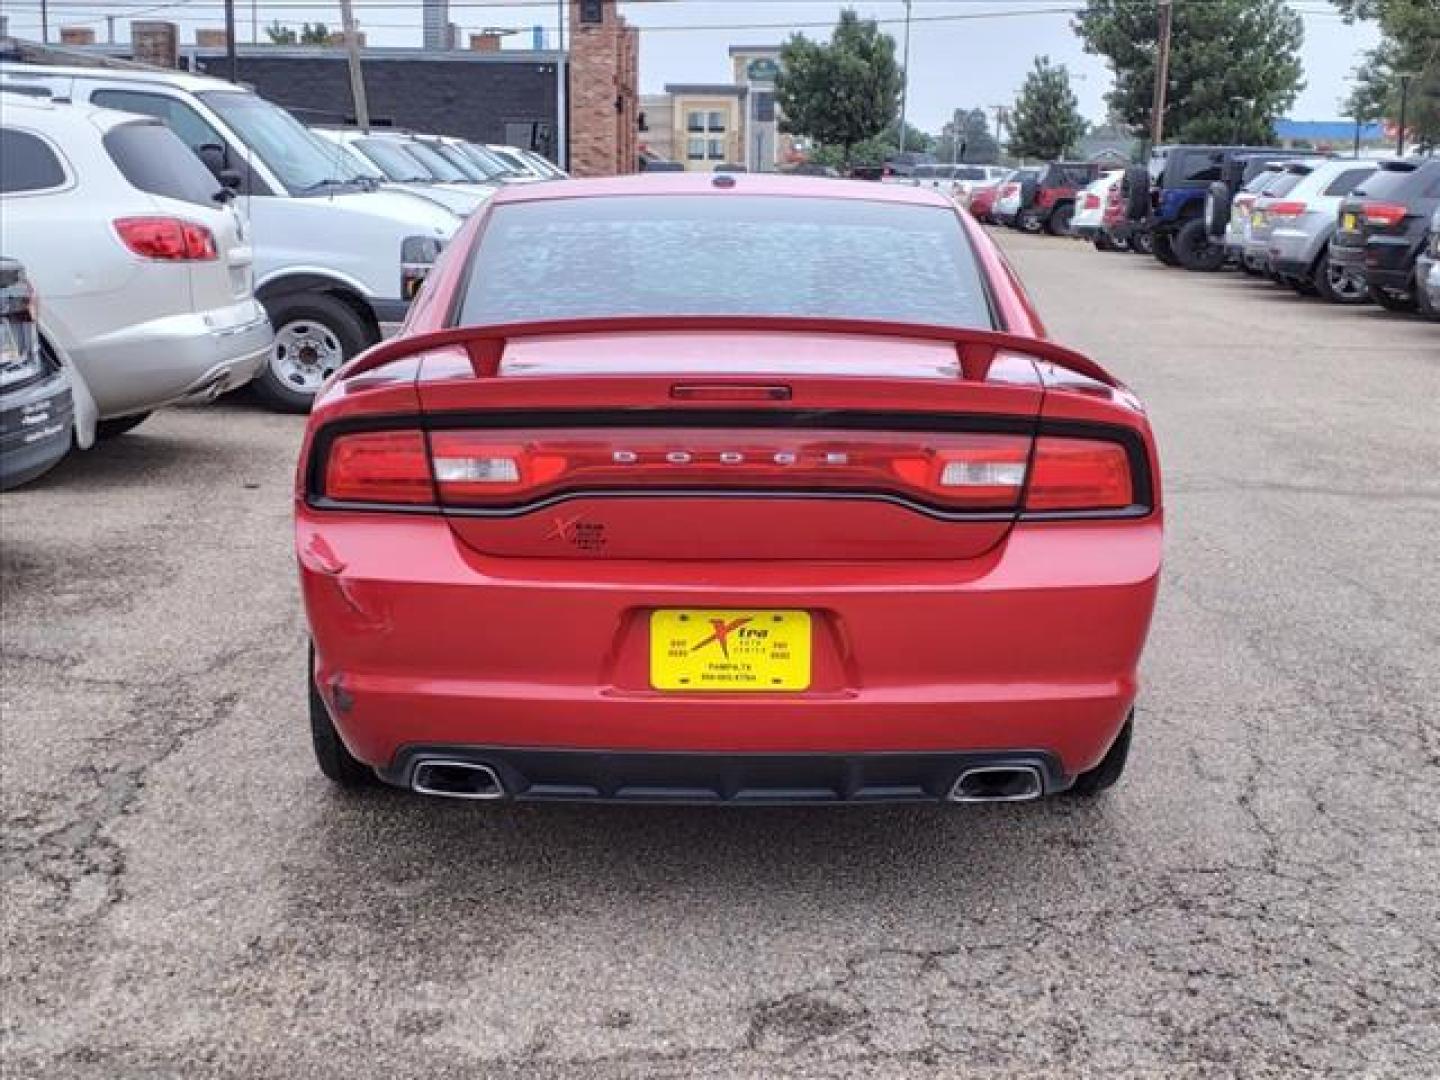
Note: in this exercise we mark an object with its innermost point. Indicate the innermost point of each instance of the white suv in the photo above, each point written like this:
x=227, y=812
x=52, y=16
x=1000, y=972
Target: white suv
x=336, y=262
x=143, y=268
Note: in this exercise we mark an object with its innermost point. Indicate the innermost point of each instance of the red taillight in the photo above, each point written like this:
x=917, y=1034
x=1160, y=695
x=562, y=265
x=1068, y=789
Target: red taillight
x=1286, y=209
x=167, y=238
x=1079, y=474
x=953, y=471
x=379, y=467
x=981, y=471
x=1386, y=214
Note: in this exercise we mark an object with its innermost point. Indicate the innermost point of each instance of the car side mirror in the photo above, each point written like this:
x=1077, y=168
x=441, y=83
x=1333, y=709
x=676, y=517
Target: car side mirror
x=230, y=184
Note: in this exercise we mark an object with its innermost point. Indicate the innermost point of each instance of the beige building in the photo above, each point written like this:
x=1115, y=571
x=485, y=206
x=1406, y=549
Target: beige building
x=702, y=125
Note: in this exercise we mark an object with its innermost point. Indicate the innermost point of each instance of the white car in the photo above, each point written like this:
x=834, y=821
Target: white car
x=336, y=262
x=525, y=171
x=142, y=260
x=1090, y=204
x=386, y=162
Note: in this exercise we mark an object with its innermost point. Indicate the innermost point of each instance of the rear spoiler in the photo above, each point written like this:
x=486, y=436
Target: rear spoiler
x=485, y=345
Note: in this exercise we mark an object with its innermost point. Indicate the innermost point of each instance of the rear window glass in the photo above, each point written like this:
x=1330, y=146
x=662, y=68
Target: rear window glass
x=1387, y=183
x=1283, y=184
x=154, y=160
x=27, y=163
x=1347, y=181
x=731, y=255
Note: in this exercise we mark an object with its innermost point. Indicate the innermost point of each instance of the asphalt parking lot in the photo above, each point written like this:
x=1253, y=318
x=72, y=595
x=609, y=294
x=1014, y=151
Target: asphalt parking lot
x=184, y=895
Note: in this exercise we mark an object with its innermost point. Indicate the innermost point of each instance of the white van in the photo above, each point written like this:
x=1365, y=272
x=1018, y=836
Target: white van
x=336, y=262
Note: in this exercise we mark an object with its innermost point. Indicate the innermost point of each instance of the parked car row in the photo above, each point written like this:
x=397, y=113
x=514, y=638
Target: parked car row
x=1347, y=229
x=180, y=234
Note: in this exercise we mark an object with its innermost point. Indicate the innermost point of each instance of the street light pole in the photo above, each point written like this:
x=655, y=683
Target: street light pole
x=1405, y=77
x=562, y=107
x=232, y=63
x=357, y=77
x=905, y=79
x=1162, y=75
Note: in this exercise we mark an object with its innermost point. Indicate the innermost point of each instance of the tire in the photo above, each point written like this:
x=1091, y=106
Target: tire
x=1195, y=250
x=314, y=335
x=1030, y=222
x=1141, y=242
x=1302, y=286
x=1338, y=286
x=1060, y=219
x=335, y=761
x=1217, y=208
x=113, y=429
x=1391, y=301
x=1111, y=767
x=1103, y=242
x=1162, y=246
x=1135, y=187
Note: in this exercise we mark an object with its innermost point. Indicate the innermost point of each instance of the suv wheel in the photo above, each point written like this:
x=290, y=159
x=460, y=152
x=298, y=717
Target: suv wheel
x=1060, y=218
x=1111, y=767
x=1162, y=246
x=1140, y=242
x=1393, y=301
x=1339, y=284
x=1029, y=221
x=1196, y=250
x=113, y=429
x=314, y=335
x=335, y=761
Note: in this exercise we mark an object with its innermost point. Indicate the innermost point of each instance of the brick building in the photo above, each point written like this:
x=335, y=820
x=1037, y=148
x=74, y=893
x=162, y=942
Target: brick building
x=604, y=87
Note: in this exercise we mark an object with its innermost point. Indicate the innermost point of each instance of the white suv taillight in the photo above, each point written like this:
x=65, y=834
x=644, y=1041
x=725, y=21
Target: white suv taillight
x=167, y=239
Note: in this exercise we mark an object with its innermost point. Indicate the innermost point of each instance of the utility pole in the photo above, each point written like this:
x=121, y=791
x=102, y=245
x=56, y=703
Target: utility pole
x=44, y=22
x=905, y=78
x=232, y=63
x=1162, y=75
x=110, y=29
x=254, y=22
x=1405, y=77
x=562, y=106
x=357, y=78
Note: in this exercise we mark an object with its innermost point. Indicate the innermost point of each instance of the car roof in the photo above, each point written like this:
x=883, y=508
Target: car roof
x=37, y=109
x=689, y=183
x=180, y=79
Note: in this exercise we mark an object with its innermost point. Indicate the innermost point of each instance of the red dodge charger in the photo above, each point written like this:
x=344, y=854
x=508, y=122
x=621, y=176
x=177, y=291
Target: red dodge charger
x=733, y=489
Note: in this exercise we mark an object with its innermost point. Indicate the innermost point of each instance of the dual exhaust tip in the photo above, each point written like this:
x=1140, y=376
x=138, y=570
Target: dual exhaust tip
x=983, y=783
x=998, y=783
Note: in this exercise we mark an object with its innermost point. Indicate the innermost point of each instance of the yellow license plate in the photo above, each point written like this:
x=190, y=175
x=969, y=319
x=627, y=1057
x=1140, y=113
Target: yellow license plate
x=728, y=649
x=1348, y=222
x=1257, y=218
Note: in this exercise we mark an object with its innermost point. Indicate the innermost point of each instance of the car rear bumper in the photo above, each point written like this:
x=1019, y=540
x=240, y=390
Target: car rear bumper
x=1387, y=262
x=37, y=424
x=194, y=356
x=529, y=774
x=1031, y=648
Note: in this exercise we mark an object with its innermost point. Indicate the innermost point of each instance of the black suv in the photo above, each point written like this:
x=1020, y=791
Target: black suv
x=1383, y=226
x=1195, y=178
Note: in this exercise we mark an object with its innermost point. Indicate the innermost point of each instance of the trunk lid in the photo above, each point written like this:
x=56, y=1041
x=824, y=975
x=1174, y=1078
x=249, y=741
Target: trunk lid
x=719, y=443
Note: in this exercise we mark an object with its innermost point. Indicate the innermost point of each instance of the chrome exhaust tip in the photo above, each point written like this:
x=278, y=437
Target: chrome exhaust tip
x=998, y=783
x=456, y=780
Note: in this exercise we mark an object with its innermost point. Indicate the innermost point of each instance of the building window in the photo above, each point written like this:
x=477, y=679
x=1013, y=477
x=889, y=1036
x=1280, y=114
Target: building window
x=695, y=149
x=695, y=121
x=717, y=121
x=764, y=107
x=717, y=149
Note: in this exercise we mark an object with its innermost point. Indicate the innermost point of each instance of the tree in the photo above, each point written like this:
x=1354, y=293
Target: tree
x=1409, y=44
x=317, y=34
x=974, y=145
x=1046, y=120
x=280, y=34
x=841, y=93
x=1234, y=65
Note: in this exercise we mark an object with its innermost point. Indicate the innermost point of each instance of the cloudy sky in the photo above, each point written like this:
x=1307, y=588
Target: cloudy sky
x=962, y=52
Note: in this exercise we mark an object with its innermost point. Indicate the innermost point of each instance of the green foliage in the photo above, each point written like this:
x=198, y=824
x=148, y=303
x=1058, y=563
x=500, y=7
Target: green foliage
x=843, y=92
x=316, y=34
x=280, y=34
x=975, y=145
x=1409, y=44
x=1234, y=65
x=1046, y=120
